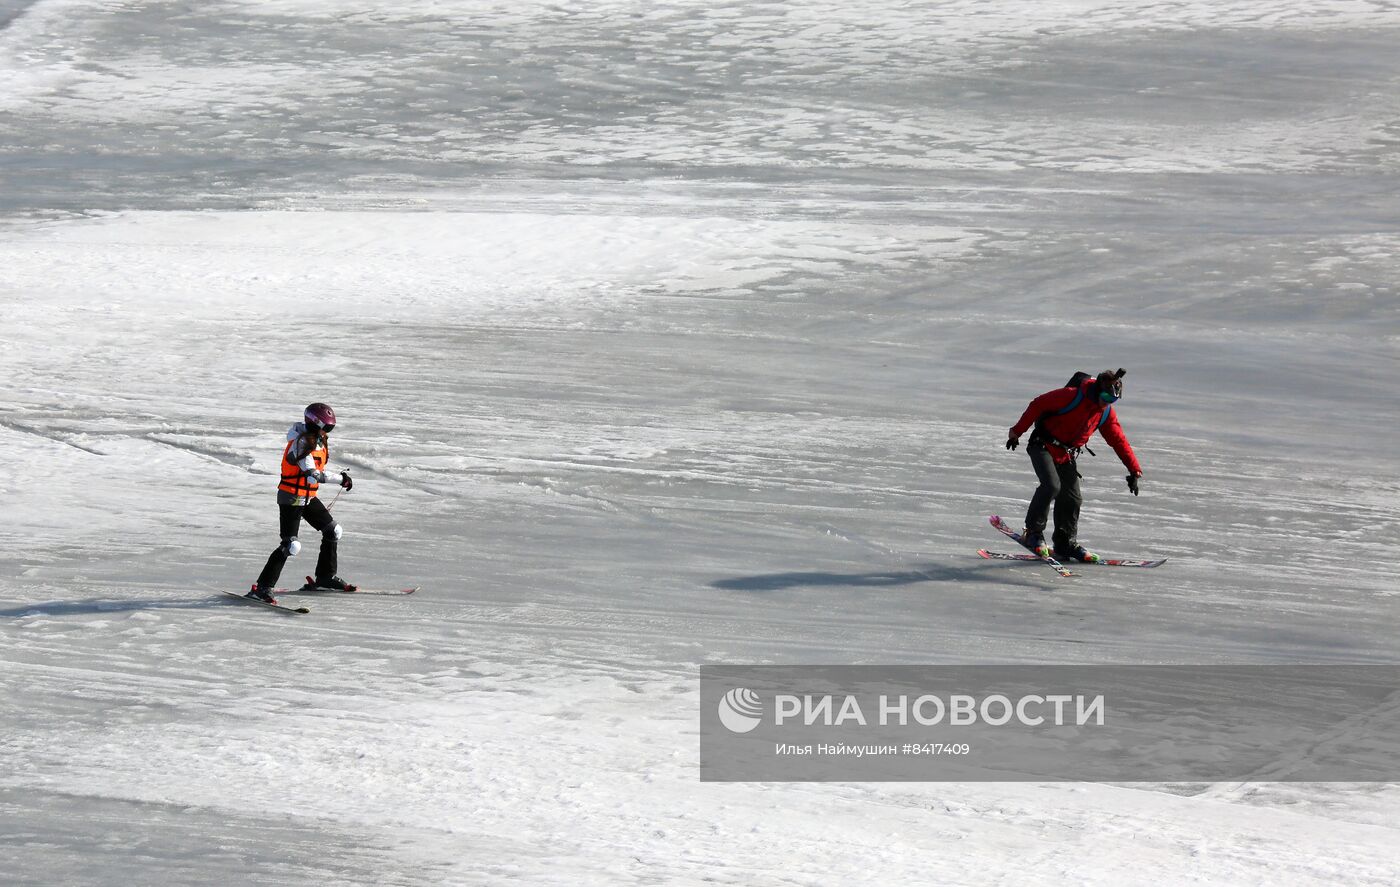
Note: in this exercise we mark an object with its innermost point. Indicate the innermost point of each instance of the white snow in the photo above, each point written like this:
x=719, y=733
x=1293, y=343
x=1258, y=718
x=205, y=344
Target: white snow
x=662, y=334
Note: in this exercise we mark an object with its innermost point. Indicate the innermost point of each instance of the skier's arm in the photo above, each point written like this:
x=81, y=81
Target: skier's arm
x=311, y=472
x=306, y=463
x=1048, y=402
x=1113, y=433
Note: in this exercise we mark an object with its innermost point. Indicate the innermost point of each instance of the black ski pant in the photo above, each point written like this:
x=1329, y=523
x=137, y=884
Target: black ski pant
x=319, y=517
x=1058, y=484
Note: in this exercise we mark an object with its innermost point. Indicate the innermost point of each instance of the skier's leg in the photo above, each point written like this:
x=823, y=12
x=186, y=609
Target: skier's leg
x=319, y=517
x=1039, y=511
x=290, y=519
x=1067, y=506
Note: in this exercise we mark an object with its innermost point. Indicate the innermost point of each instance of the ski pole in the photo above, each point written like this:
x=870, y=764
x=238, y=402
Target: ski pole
x=334, y=498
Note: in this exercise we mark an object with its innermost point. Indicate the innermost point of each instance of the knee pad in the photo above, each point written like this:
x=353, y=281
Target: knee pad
x=332, y=532
x=291, y=546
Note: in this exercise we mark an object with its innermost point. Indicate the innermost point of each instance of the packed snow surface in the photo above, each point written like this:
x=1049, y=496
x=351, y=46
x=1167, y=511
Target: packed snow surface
x=660, y=334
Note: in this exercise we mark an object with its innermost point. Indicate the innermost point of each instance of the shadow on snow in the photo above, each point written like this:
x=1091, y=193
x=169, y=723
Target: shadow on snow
x=99, y=605
x=881, y=579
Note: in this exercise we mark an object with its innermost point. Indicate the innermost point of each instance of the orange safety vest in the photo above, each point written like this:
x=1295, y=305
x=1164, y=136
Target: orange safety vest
x=293, y=481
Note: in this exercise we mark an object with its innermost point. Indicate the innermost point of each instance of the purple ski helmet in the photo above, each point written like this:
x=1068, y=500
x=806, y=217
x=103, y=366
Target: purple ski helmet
x=320, y=417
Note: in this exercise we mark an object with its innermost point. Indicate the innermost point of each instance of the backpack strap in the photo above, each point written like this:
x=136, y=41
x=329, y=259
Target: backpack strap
x=1078, y=399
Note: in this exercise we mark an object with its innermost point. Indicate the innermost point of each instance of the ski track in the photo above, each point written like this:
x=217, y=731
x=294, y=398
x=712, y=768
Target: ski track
x=662, y=335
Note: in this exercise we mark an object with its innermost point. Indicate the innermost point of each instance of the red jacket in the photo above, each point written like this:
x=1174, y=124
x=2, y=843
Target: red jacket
x=1078, y=425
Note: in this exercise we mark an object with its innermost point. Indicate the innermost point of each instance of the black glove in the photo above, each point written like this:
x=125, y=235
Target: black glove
x=1132, y=483
x=345, y=480
x=1013, y=442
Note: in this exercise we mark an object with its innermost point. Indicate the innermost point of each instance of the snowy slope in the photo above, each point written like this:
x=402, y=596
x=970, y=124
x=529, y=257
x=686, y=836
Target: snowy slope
x=662, y=334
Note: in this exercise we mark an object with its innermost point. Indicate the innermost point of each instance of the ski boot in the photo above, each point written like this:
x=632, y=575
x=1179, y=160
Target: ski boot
x=329, y=583
x=259, y=593
x=1035, y=541
x=1075, y=552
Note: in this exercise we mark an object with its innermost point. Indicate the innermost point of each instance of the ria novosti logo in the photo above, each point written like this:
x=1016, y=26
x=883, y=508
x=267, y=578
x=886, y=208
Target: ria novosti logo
x=740, y=710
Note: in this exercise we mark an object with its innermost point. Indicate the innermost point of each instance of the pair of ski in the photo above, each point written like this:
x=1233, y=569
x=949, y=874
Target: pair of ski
x=1058, y=567
x=309, y=588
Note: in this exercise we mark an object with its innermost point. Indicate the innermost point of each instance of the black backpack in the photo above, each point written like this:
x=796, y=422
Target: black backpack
x=1075, y=381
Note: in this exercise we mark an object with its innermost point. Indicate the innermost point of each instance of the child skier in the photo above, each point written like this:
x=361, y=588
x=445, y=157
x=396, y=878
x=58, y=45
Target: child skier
x=303, y=471
x=1064, y=420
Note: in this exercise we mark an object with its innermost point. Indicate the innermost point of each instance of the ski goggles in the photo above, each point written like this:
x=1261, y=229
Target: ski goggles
x=1110, y=396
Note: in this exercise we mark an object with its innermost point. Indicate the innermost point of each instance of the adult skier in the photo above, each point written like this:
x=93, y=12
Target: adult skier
x=1064, y=420
x=303, y=471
